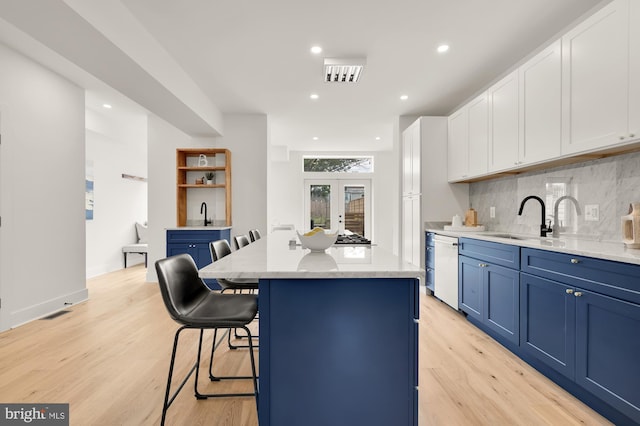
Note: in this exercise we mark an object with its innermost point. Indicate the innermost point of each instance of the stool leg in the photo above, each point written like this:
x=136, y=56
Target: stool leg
x=168, y=400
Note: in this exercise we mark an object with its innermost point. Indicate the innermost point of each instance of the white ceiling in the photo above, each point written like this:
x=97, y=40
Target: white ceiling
x=253, y=56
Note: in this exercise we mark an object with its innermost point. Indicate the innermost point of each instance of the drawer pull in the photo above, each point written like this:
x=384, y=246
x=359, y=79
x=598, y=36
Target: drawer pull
x=577, y=294
x=574, y=261
x=482, y=265
x=569, y=291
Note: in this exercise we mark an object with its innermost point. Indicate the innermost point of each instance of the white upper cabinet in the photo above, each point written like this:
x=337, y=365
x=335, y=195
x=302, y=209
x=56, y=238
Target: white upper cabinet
x=580, y=94
x=468, y=140
x=411, y=159
x=478, y=135
x=457, y=147
x=503, y=123
x=634, y=67
x=596, y=82
x=541, y=106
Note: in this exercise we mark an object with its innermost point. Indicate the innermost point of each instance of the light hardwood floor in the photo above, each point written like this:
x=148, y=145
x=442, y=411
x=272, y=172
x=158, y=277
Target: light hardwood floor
x=108, y=359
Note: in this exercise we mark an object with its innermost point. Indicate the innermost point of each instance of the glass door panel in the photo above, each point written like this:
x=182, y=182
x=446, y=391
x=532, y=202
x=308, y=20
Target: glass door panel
x=319, y=206
x=339, y=205
x=354, y=201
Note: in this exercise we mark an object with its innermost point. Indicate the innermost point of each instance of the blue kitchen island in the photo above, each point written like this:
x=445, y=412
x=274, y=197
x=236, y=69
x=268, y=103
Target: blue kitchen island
x=338, y=332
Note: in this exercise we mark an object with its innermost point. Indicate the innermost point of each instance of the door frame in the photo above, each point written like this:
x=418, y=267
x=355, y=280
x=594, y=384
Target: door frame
x=337, y=200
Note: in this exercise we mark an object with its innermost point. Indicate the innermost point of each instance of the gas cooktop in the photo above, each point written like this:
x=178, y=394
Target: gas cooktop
x=352, y=239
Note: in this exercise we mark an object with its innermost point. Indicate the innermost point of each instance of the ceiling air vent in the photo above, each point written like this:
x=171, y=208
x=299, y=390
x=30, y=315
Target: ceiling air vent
x=343, y=70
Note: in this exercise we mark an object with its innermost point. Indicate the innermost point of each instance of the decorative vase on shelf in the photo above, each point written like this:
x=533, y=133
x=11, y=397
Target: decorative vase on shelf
x=631, y=227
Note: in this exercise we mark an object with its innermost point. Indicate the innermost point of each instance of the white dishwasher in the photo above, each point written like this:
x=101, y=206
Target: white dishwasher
x=446, y=270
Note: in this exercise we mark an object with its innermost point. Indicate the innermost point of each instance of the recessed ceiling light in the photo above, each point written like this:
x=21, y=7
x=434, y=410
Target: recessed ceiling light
x=377, y=138
x=315, y=138
x=443, y=48
x=314, y=96
x=107, y=106
x=404, y=97
x=316, y=49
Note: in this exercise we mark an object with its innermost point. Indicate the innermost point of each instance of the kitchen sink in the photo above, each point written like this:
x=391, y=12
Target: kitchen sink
x=512, y=236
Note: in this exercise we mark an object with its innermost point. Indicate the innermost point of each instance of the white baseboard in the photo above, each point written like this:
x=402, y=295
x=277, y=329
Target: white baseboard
x=48, y=307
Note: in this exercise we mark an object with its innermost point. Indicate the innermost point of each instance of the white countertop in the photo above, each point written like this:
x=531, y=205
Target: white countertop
x=272, y=257
x=609, y=250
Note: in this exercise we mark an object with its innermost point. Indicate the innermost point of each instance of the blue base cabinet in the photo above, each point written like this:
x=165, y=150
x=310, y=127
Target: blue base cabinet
x=470, y=287
x=608, y=350
x=581, y=317
x=489, y=290
x=195, y=242
x=339, y=352
x=429, y=260
x=547, y=323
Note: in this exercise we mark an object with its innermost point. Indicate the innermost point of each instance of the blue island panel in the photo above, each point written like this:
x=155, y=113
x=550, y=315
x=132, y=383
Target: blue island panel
x=338, y=352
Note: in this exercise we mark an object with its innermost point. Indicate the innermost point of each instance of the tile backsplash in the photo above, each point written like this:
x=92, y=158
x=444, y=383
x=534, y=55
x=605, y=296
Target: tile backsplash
x=604, y=189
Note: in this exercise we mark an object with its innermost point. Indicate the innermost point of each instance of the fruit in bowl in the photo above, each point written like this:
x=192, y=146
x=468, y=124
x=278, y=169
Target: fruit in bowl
x=317, y=240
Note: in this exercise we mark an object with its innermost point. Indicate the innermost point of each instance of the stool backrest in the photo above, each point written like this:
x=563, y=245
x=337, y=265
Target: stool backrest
x=241, y=241
x=254, y=234
x=219, y=249
x=180, y=285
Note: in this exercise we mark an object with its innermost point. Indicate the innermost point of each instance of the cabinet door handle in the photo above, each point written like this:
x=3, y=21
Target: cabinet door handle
x=482, y=265
x=621, y=138
x=574, y=261
x=577, y=294
x=631, y=135
x=569, y=291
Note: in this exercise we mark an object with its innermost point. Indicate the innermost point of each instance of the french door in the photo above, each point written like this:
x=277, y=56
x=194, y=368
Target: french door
x=338, y=205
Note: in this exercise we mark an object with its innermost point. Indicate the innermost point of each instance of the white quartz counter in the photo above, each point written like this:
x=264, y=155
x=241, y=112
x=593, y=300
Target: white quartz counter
x=581, y=247
x=272, y=257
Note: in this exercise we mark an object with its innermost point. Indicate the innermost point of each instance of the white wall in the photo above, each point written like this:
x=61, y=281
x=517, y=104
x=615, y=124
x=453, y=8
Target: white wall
x=115, y=145
x=42, y=238
x=246, y=137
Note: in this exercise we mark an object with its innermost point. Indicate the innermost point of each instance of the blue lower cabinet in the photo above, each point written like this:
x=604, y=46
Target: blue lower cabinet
x=338, y=352
x=470, y=287
x=196, y=244
x=429, y=260
x=581, y=317
x=608, y=350
x=490, y=294
x=502, y=302
x=548, y=323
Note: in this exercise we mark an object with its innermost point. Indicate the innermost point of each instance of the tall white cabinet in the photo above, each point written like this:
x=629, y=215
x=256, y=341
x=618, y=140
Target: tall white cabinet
x=411, y=193
x=426, y=193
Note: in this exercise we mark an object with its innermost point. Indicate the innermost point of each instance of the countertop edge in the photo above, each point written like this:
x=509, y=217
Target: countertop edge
x=606, y=250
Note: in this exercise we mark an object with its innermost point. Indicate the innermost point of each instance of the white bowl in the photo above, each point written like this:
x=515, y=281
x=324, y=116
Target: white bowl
x=317, y=242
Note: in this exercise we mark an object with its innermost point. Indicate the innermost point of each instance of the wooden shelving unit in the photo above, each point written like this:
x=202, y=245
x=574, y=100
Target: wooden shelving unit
x=186, y=162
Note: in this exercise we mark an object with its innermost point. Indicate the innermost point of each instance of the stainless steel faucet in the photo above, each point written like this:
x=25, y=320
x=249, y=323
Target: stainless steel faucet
x=556, y=225
x=543, y=227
